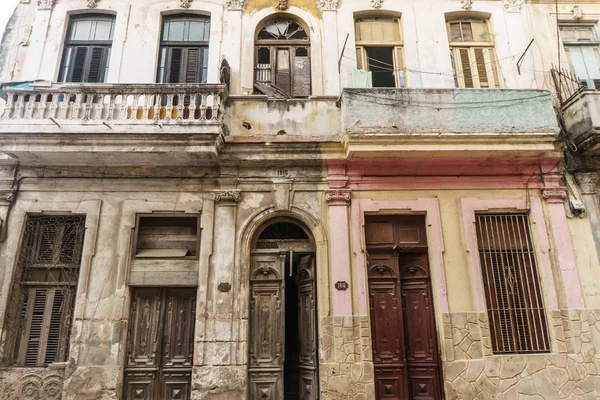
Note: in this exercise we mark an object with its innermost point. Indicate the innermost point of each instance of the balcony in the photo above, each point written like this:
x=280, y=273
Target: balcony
x=448, y=122
x=112, y=123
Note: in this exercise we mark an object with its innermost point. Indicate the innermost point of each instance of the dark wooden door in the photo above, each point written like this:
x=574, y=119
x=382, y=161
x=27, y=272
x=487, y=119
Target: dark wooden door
x=160, y=344
x=307, y=320
x=405, y=352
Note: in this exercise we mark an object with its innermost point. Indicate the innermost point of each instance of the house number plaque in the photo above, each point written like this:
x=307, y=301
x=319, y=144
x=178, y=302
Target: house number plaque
x=341, y=285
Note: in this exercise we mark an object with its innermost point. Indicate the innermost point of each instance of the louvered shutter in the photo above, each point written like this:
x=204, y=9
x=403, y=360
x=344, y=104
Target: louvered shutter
x=175, y=61
x=482, y=73
x=78, y=66
x=36, y=312
x=97, y=64
x=464, y=72
x=192, y=66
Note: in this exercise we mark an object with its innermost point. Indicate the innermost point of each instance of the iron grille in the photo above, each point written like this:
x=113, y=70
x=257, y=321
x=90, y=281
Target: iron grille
x=512, y=288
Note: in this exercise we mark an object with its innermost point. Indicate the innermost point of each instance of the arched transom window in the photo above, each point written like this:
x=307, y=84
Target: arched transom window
x=282, y=66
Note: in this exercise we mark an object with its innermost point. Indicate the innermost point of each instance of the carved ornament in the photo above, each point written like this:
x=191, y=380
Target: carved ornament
x=235, y=4
x=588, y=182
x=45, y=385
x=377, y=3
x=554, y=195
x=282, y=5
x=466, y=4
x=45, y=4
x=186, y=3
x=338, y=197
x=329, y=5
x=512, y=5
x=577, y=13
x=92, y=3
x=228, y=196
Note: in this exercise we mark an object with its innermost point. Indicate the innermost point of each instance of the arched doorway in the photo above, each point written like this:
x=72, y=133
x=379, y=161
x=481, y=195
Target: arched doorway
x=282, y=359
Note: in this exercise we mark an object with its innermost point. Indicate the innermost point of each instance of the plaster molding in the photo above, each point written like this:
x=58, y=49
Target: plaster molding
x=7, y=196
x=45, y=4
x=228, y=196
x=377, y=3
x=329, y=5
x=466, y=4
x=186, y=3
x=234, y=5
x=282, y=5
x=338, y=197
x=554, y=195
x=92, y=3
x=512, y=5
x=577, y=13
x=588, y=182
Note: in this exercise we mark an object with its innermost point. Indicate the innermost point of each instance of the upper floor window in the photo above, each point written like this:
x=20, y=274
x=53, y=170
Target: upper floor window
x=184, y=49
x=282, y=59
x=472, y=52
x=512, y=287
x=379, y=49
x=87, y=49
x=582, y=45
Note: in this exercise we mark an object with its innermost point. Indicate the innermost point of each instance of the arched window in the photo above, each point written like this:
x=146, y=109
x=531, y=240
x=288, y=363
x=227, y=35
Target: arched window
x=184, y=49
x=282, y=59
x=87, y=48
x=472, y=51
x=379, y=48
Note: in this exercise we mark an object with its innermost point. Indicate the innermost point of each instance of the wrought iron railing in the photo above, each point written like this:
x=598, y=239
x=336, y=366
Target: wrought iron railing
x=565, y=83
x=139, y=104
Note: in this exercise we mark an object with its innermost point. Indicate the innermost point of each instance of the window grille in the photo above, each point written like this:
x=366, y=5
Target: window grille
x=49, y=262
x=512, y=288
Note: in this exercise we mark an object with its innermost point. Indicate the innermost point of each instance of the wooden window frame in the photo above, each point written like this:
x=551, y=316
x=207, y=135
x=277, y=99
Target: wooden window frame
x=41, y=320
x=488, y=51
x=595, y=44
x=71, y=47
x=362, y=60
x=511, y=312
x=167, y=47
x=166, y=215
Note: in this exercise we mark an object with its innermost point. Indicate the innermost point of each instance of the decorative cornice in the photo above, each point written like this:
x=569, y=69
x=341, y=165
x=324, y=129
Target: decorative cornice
x=466, y=4
x=577, y=13
x=377, y=3
x=338, y=197
x=282, y=6
x=588, y=182
x=228, y=196
x=329, y=5
x=92, y=3
x=186, y=3
x=45, y=4
x=235, y=5
x=512, y=5
x=554, y=195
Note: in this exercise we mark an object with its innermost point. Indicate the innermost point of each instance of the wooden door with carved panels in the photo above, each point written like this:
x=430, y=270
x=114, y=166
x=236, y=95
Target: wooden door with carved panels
x=405, y=350
x=160, y=344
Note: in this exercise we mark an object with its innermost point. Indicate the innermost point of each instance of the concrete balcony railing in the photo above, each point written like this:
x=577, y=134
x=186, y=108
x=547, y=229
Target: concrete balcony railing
x=108, y=124
x=448, y=122
x=119, y=104
x=581, y=115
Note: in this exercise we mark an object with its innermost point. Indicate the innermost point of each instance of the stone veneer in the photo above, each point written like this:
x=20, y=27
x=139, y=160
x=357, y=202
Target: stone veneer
x=471, y=371
x=346, y=368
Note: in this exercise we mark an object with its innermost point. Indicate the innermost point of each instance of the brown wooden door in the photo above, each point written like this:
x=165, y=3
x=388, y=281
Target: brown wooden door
x=405, y=352
x=160, y=344
x=307, y=320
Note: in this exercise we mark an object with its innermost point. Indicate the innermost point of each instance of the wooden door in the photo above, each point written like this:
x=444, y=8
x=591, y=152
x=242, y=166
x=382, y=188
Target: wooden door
x=160, y=344
x=307, y=320
x=405, y=351
x=267, y=326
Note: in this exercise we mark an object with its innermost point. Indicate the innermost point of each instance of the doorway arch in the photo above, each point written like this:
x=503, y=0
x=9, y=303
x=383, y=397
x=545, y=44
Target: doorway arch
x=282, y=348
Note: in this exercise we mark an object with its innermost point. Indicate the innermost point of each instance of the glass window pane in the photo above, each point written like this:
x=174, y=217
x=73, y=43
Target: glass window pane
x=104, y=30
x=197, y=31
x=175, y=32
x=81, y=30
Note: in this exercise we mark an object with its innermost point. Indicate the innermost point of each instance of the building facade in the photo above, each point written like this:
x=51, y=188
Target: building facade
x=298, y=199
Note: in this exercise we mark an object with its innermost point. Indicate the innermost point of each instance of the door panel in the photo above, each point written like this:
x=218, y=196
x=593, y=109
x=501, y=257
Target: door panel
x=160, y=345
x=307, y=360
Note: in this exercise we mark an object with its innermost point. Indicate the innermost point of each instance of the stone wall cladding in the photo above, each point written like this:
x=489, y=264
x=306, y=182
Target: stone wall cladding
x=31, y=383
x=569, y=372
x=346, y=368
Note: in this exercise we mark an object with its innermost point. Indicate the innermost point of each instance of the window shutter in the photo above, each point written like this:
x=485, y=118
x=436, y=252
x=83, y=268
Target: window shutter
x=399, y=67
x=482, y=73
x=79, y=60
x=175, y=61
x=58, y=318
x=35, y=313
x=191, y=66
x=465, y=68
x=360, y=58
x=97, y=65
x=301, y=76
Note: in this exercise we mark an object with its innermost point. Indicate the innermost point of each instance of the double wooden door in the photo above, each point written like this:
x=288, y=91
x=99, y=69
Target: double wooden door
x=270, y=376
x=160, y=345
x=405, y=351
